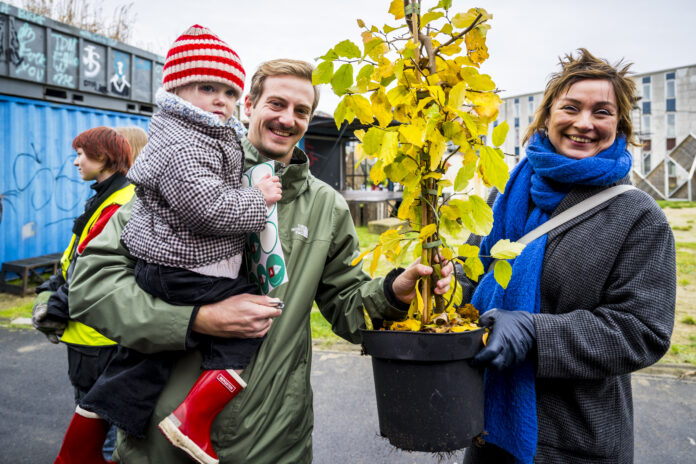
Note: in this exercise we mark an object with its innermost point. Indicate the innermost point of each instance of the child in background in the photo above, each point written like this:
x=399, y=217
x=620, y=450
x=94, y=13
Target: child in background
x=188, y=230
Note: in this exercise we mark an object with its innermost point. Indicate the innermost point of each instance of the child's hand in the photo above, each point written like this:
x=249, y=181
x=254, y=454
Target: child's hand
x=270, y=188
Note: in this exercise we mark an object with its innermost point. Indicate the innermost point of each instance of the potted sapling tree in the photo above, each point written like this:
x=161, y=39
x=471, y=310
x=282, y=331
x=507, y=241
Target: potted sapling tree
x=417, y=89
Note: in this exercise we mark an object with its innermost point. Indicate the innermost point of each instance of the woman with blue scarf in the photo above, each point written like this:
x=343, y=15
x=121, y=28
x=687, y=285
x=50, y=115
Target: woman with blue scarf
x=589, y=302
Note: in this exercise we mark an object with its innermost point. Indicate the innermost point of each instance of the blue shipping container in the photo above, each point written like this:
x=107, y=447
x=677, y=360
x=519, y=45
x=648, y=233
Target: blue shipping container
x=43, y=192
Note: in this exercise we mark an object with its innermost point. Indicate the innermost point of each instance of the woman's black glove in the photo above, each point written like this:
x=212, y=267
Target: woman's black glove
x=511, y=337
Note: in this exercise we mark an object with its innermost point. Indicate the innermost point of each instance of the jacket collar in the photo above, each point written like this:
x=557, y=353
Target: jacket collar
x=294, y=177
x=177, y=106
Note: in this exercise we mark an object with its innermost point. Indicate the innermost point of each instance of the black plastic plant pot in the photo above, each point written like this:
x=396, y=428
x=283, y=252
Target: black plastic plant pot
x=428, y=396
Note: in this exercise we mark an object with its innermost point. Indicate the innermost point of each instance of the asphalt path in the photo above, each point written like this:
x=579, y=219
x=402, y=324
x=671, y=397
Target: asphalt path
x=36, y=404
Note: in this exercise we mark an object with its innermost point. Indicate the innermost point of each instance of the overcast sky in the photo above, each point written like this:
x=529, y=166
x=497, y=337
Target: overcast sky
x=525, y=41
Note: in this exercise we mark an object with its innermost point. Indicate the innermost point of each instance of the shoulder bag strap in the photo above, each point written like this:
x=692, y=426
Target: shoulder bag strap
x=571, y=213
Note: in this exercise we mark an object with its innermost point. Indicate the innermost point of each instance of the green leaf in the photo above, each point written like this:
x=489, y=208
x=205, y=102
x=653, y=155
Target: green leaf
x=432, y=16
x=374, y=48
x=464, y=175
x=468, y=251
x=340, y=113
x=372, y=141
x=505, y=249
x=322, y=74
x=499, y=133
x=365, y=73
x=502, y=273
x=342, y=79
x=445, y=4
x=478, y=216
x=361, y=23
x=493, y=169
x=347, y=49
x=330, y=56
x=387, y=28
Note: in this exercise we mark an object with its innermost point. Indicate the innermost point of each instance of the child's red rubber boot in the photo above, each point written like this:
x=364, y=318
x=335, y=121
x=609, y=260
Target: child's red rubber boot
x=188, y=427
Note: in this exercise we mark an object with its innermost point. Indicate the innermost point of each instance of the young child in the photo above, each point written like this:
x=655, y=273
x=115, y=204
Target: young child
x=187, y=230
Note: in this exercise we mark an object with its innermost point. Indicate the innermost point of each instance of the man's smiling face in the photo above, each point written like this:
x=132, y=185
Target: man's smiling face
x=280, y=116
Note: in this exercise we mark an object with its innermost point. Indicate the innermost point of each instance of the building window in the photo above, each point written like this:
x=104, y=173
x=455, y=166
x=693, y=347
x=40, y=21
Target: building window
x=530, y=106
x=647, y=95
x=671, y=130
x=645, y=130
x=646, y=162
x=670, y=92
x=647, y=145
x=517, y=151
x=517, y=107
x=671, y=169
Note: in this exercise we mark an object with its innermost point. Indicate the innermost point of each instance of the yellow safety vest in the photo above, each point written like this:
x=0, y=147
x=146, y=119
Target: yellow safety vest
x=77, y=333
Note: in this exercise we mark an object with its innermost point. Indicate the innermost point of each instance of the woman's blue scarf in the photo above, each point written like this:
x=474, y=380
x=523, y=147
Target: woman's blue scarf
x=545, y=177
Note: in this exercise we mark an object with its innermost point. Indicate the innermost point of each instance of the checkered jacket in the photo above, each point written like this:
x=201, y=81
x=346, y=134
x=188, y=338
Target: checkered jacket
x=608, y=295
x=190, y=209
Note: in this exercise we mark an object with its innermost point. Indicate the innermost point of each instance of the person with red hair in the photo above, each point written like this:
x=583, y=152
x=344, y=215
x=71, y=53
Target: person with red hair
x=103, y=156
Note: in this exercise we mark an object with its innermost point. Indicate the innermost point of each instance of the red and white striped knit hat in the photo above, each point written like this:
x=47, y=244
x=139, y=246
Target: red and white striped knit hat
x=200, y=56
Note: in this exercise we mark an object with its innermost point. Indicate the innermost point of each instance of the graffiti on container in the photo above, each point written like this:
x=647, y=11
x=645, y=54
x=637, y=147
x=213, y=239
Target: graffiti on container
x=29, y=16
x=118, y=82
x=90, y=60
x=36, y=182
x=13, y=51
x=64, y=60
x=33, y=63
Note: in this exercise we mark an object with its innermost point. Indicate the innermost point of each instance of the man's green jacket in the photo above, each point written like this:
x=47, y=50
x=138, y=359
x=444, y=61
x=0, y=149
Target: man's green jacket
x=271, y=420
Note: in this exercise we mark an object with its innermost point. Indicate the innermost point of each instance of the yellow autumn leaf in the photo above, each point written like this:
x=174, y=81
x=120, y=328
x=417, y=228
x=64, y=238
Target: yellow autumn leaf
x=499, y=133
x=427, y=231
x=505, y=249
x=413, y=133
x=362, y=108
x=375, y=259
x=397, y=9
x=390, y=147
x=409, y=325
x=397, y=95
x=468, y=251
x=381, y=107
x=360, y=257
x=464, y=20
x=502, y=272
x=492, y=168
x=390, y=239
x=473, y=268
x=486, y=104
x=377, y=173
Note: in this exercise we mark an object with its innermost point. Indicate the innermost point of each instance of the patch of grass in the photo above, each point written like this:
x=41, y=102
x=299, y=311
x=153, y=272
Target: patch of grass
x=685, y=352
x=13, y=312
x=686, y=261
x=682, y=228
x=367, y=239
x=688, y=320
x=676, y=204
x=684, y=282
